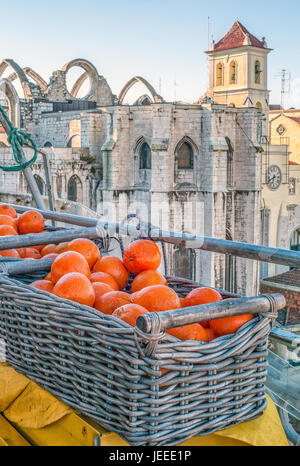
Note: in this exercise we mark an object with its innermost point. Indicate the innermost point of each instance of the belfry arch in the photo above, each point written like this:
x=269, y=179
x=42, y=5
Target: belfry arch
x=20, y=74
x=138, y=79
x=13, y=101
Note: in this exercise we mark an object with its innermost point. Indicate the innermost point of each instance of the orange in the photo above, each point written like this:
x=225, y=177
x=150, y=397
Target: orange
x=76, y=287
x=133, y=295
x=48, y=249
x=7, y=230
x=8, y=210
x=200, y=296
x=109, y=302
x=130, y=313
x=103, y=277
x=229, y=325
x=69, y=262
x=61, y=247
x=48, y=277
x=10, y=253
x=87, y=248
x=189, y=332
x=31, y=222
x=44, y=285
x=115, y=267
x=7, y=220
x=100, y=290
x=142, y=255
x=22, y=252
x=32, y=253
x=147, y=278
x=182, y=303
x=157, y=298
x=210, y=333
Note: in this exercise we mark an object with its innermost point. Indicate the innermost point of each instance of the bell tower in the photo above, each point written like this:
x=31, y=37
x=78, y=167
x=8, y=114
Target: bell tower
x=239, y=69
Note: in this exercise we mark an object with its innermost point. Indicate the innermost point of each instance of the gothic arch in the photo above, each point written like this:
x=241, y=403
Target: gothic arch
x=74, y=189
x=71, y=139
x=20, y=73
x=190, y=142
x=143, y=100
x=90, y=72
x=33, y=75
x=138, y=79
x=13, y=101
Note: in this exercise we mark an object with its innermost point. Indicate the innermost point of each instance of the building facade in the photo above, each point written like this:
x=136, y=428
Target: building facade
x=192, y=168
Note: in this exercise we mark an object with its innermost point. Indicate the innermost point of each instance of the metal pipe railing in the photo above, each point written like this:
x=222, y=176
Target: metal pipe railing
x=221, y=246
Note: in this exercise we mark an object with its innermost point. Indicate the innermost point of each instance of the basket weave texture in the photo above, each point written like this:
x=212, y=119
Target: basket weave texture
x=102, y=367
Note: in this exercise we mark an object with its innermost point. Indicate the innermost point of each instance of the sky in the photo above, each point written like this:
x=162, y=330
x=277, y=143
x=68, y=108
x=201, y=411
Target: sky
x=162, y=40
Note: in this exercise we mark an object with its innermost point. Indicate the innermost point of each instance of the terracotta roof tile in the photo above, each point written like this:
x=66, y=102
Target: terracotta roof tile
x=291, y=278
x=236, y=37
x=297, y=119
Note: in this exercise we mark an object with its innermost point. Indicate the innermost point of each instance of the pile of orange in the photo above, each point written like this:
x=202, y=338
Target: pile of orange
x=80, y=274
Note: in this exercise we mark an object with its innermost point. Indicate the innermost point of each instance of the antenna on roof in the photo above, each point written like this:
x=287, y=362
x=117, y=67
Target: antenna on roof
x=285, y=79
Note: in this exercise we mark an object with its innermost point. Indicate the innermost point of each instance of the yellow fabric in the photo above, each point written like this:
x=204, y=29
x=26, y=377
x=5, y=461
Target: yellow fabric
x=23, y=402
x=28, y=406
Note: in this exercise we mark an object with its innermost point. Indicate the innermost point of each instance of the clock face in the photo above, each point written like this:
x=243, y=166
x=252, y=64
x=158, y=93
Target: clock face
x=274, y=177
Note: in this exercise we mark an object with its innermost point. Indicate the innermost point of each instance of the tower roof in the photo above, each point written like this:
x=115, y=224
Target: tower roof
x=238, y=36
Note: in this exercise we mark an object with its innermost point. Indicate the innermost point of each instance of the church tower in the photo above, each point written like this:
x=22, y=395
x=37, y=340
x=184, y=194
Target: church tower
x=239, y=69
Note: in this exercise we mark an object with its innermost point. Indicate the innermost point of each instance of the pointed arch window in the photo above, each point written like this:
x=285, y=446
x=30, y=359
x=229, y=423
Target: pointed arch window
x=258, y=71
x=185, y=156
x=233, y=73
x=230, y=154
x=219, y=80
x=40, y=183
x=74, y=189
x=145, y=157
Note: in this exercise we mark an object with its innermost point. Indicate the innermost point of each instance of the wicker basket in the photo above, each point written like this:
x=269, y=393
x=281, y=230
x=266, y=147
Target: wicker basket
x=151, y=389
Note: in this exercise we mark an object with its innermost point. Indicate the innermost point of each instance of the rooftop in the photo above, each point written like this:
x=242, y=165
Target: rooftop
x=238, y=36
x=290, y=278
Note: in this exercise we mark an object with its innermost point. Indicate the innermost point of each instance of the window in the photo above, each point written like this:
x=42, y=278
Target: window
x=219, y=81
x=75, y=189
x=145, y=157
x=40, y=183
x=258, y=72
x=232, y=76
x=185, y=156
x=292, y=186
x=230, y=268
x=259, y=106
x=229, y=163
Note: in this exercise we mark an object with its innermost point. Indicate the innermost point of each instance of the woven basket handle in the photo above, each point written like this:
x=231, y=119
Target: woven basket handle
x=156, y=322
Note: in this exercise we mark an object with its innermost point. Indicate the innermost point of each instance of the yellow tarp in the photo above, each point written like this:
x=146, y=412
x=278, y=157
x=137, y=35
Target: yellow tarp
x=28, y=406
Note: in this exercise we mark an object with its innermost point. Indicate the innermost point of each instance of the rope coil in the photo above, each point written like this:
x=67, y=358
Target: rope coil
x=17, y=138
